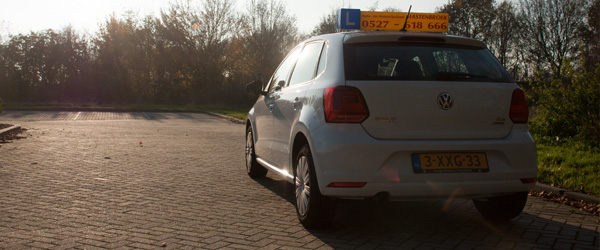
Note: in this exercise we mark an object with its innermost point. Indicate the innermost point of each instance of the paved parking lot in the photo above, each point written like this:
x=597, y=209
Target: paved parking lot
x=101, y=180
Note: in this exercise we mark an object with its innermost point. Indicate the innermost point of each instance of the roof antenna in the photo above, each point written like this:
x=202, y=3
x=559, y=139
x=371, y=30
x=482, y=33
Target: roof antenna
x=406, y=21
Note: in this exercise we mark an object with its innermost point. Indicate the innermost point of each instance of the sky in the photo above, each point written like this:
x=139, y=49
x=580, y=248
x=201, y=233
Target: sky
x=24, y=16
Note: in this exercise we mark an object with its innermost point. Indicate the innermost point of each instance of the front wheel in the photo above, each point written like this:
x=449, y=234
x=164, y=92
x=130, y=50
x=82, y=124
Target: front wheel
x=314, y=210
x=254, y=169
x=501, y=208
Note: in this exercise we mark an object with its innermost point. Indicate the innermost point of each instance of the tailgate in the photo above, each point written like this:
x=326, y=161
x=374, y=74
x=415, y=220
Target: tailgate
x=412, y=109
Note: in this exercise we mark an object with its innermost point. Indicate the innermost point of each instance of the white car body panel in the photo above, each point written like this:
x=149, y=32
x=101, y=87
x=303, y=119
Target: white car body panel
x=285, y=114
x=408, y=110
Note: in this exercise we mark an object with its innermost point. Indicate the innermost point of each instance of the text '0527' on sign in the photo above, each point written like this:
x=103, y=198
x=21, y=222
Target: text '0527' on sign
x=373, y=20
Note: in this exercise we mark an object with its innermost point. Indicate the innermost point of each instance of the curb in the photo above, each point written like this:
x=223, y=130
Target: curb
x=229, y=118
x=567, y=193
x=9, y=129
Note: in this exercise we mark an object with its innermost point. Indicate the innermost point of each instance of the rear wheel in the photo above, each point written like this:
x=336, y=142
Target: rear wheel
x=314, y=210
x=254, y=169
x=501, y=208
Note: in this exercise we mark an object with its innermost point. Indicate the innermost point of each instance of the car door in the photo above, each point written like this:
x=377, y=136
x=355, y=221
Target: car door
x=265, y=126
x=289, y=100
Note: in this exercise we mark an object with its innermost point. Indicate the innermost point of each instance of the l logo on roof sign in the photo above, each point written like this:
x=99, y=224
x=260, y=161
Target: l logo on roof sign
x=348, y=19
x=445, y=101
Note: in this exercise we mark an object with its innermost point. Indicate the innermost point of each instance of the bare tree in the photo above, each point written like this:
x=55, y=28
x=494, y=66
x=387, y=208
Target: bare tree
x=551, y=31
x=591, y=37
x=218, y=23
x=327, y=24
x=269, y=33
x=470, y=18
x=196, y=37
x=504, y=39
x=115, y=49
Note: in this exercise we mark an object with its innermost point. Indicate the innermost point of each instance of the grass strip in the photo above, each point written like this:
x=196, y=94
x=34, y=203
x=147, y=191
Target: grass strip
x=571, y=166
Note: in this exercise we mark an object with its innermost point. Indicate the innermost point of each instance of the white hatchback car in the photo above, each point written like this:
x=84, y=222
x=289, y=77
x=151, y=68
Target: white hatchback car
x=393, y=116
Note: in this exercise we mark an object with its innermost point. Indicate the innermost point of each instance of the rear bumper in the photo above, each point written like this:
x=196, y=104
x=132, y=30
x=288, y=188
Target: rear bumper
x=431, y=190
x=386, y=165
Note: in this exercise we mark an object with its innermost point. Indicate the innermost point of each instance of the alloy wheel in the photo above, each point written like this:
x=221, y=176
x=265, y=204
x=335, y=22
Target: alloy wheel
x=302, y=183
x=249, y=150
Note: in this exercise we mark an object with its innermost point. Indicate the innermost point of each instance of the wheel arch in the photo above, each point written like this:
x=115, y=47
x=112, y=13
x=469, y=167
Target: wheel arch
x=250, y=119
x=300, y=140
x=301, y=135
x=249, y=124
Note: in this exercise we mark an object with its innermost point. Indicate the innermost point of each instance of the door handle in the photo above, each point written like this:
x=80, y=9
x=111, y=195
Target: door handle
x=297, y=103
x=269, y=102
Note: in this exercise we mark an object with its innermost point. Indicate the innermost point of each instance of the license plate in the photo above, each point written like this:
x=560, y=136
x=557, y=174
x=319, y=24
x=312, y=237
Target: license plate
x=449, y=162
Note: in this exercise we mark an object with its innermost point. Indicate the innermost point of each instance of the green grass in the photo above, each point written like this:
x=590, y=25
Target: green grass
x=571, y=166
x=236, y=112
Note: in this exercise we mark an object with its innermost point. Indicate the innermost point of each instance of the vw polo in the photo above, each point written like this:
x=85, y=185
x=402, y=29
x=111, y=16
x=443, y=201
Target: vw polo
x=392, y=115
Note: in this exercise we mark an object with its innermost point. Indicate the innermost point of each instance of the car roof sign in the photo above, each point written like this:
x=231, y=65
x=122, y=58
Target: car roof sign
x=355, y=19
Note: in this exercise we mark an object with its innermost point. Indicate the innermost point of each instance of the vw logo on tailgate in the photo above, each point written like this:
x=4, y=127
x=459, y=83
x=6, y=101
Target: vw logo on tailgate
x=445, y=101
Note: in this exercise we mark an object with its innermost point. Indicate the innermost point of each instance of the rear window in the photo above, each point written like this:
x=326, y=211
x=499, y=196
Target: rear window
x=418, y=62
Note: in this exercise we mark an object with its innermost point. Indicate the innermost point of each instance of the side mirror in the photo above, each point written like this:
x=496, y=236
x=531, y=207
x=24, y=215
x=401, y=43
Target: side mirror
x=255, y=88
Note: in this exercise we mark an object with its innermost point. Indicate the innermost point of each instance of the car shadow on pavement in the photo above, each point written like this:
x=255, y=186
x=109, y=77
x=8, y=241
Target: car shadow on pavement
x=443, y=224
x=278, y=186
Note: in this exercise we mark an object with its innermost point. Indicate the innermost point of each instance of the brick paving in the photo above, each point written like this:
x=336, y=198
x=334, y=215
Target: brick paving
x=101, y=180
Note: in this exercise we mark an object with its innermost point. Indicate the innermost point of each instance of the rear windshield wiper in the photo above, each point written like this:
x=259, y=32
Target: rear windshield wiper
x=449, y=76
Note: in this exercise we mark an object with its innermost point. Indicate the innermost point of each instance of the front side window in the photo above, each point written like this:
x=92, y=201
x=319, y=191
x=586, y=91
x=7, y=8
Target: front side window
x=283, y=71
x=421, y=62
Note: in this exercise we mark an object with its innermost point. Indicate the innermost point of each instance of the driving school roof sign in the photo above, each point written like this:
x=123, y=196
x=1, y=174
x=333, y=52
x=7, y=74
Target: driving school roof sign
x=354, y=19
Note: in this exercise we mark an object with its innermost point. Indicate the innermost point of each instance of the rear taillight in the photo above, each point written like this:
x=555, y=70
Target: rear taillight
x=344, y=104
x=519, y=112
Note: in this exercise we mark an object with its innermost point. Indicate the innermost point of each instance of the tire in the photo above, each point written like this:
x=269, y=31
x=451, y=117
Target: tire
x=501, y=208
x=254, y=169
x=314, y=210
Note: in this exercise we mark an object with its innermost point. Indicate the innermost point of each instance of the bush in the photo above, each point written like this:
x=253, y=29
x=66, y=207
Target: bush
x=567, y=109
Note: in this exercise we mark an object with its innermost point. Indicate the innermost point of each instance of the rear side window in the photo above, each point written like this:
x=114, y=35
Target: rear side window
x=322, y=60
x=419, y=62
x=306, y=68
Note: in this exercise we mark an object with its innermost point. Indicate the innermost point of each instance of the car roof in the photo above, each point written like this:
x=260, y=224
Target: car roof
x=399, y=36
